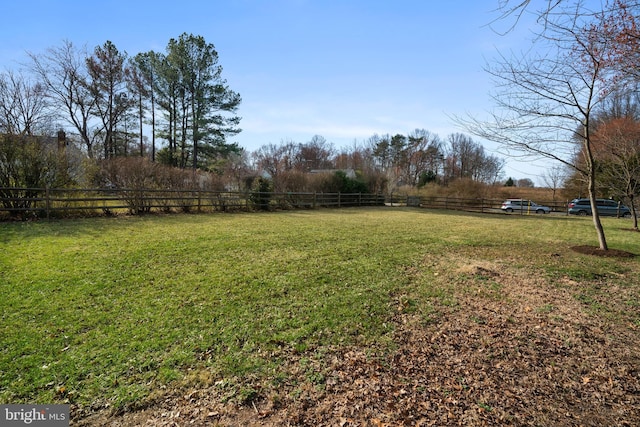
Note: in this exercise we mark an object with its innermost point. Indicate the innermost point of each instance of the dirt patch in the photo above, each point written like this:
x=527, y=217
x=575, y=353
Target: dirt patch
x=596, y=251
x=513, y=350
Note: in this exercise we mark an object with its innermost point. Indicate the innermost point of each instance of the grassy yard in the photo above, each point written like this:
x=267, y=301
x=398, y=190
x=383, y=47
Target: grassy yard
x=110, y=312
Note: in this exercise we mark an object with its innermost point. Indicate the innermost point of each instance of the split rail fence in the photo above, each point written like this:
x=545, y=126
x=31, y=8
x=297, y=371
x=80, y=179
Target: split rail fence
x=28, y=203
x=49, y=202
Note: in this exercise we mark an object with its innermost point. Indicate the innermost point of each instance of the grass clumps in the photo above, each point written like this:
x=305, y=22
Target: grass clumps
x=111, y=312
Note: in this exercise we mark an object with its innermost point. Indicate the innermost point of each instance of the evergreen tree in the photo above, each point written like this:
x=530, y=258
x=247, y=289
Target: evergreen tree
x=208, y=106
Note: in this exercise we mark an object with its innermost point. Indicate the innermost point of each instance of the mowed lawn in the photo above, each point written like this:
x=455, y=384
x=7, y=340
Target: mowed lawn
x=110, y=311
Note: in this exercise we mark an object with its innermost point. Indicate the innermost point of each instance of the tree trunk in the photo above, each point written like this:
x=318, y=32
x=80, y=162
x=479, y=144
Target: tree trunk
x=140, y=115
x=594, y=212
x=634, y=213
x=194, y=126
x=153, y=126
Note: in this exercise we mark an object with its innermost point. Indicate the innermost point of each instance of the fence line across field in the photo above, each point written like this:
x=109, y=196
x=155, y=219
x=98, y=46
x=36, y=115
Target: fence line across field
x=47, y=202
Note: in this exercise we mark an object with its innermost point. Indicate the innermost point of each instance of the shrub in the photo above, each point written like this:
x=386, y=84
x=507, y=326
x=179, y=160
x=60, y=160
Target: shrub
x=339, y=182
x=147, y=184
x=261, y=194
x=28, y=163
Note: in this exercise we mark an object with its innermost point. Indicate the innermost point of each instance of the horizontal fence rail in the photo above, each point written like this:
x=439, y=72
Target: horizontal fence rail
x=27, y=203
x=480, y=204
x=48, y=202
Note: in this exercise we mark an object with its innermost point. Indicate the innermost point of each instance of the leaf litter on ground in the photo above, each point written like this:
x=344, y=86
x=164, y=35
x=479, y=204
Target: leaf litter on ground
x=507, y=348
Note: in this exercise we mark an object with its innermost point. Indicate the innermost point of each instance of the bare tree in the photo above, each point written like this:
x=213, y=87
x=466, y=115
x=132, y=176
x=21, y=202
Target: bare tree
x=554, y=178
x=23, y=105
x=237, y=169
x=467, y=159
x=511, y=11
x=490, y=170
x=525, y=183
x=617, y=151
x=423, y=154
x=357, y=157
x=274, y=160
x=316, y=154
x=462, y=153
x=63, y=72
x=546, y=100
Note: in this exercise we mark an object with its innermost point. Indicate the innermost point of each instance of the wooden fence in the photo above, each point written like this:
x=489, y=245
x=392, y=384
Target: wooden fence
x=48, y=202
x=484, y=205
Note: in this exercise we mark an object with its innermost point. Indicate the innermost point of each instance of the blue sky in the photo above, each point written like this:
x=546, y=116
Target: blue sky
x=342, y=69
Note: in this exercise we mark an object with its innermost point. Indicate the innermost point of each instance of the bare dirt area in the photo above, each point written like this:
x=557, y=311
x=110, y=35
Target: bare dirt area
x=506, y=349
x=596, y=251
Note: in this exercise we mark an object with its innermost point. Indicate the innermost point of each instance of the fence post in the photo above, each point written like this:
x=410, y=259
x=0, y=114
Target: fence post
x=47, y=202
x=338, y=199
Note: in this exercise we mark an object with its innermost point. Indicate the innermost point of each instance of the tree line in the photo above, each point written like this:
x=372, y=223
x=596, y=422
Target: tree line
x=175, y=109
x=572, y=98
x=383, y=162
x=108, y=98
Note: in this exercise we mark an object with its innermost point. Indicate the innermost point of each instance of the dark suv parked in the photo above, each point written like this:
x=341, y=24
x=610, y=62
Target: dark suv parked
x=606, y=207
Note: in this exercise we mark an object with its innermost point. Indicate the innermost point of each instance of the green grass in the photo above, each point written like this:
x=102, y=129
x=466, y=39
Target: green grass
x=107, y=310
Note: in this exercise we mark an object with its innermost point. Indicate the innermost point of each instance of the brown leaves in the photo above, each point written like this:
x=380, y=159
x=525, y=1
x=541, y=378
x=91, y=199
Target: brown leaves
x=530, y=357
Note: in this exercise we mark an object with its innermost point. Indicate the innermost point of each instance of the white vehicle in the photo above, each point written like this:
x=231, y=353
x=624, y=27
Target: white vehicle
x=522, y=205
